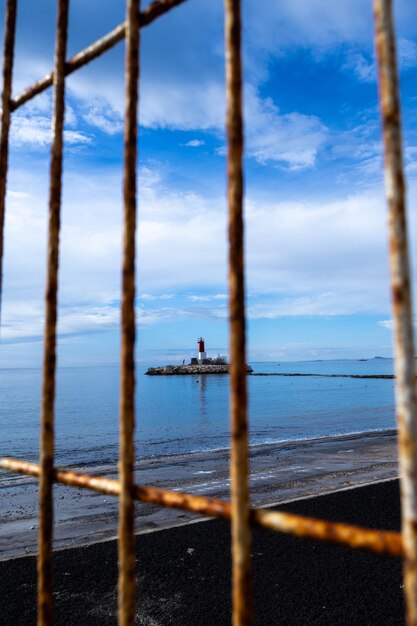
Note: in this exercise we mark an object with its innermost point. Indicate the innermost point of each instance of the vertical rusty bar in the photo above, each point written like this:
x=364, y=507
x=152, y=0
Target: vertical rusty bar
x=127, y=562
x=401, y=294
x=49, y=357
x=8, y=57
x=241, y=536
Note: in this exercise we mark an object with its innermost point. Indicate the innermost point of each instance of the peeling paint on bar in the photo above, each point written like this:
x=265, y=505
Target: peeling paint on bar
x=126, y=542
x=8, y=57
x=406, y=399
x=239, y=470
x=47, y=440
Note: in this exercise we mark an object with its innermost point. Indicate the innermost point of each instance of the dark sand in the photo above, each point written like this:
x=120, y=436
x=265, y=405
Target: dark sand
x=184, y=574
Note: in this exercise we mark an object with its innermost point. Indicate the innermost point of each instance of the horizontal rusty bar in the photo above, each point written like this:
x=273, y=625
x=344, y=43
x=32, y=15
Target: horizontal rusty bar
x=377, y=541
x=150, y=14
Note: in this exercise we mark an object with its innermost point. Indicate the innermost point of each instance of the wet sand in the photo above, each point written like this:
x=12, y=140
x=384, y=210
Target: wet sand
x=279, y=473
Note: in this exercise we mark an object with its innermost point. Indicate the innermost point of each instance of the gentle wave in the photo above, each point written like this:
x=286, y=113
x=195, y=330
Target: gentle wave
x=110, y=469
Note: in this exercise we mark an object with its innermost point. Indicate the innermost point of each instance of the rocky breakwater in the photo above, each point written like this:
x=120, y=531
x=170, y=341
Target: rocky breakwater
x=172, y=370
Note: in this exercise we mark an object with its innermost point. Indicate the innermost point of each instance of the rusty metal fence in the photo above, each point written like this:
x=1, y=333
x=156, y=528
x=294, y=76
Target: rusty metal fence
x=238, y=511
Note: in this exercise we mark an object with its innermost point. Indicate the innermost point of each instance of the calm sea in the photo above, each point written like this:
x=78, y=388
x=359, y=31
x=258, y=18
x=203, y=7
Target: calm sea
x=190, y=413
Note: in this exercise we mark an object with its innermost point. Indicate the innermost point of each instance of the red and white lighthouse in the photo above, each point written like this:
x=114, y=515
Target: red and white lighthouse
x=201, y=350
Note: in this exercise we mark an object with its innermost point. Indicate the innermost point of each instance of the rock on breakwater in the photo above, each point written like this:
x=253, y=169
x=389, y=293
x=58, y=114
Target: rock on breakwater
x=170, y=370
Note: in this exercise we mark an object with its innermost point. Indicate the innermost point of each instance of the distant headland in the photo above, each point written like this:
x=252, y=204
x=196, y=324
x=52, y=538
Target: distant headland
x=198, y=365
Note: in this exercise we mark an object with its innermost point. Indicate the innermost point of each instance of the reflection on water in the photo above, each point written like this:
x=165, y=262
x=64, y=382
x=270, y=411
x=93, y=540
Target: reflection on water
x=203, y=399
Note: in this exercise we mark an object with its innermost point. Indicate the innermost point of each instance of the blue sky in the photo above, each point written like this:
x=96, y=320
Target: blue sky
x=316, y=240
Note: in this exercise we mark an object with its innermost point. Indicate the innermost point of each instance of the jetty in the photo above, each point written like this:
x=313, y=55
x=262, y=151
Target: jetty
x=211, y=368
x=198, y=365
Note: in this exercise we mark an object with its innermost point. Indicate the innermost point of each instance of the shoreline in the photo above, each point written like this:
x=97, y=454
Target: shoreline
x=96, y=467
x=278, y=472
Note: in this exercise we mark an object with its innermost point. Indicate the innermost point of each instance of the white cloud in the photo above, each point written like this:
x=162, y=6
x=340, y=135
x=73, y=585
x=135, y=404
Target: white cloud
x=304, y=258
x=386, y=324
x=24, y=320
x=194, y=143
x=182, y=69
x=318, y=26
x=363, y=68
x=363, y=63
x=42, y=104
x=70, y=117
x=359, y=150
x=410, y=159
x=35, y=131
x=185, y=90
x=322, y=23
x=148, y=297
x=185, y=106
x=171, y=225
x=208, y=297
x=97, y=112
x=30, y=65
x=314, y=304
x=407, y=53
x=389, y=324
x=319, y=258
x=290, y=140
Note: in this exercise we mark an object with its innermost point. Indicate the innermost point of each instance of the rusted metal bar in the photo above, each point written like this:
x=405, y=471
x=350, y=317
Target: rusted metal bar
x=8, y=56
x=406, y=399
x=127, y=561
x=377, y=541
x=241, y=536
x=49, y=356
x=150, y=14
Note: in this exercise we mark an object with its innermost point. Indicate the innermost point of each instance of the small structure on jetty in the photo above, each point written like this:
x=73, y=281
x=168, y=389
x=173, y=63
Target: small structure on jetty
x=202, y=359
x=200, y=364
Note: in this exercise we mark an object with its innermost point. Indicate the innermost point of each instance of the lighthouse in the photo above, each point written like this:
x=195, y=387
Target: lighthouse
x=201, y=351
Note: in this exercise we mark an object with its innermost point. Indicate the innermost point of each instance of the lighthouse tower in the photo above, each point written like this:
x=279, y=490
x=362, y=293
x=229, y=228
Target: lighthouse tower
x=201, y=351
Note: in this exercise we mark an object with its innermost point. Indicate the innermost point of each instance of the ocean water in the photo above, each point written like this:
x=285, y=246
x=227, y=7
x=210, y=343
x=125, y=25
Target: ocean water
x=179, y=414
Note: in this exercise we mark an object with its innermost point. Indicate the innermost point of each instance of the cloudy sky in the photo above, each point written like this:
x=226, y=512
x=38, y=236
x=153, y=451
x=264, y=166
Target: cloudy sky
x=316, y=238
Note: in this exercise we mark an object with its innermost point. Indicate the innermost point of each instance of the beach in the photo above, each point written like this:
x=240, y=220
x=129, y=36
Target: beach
x=278, y=473
x=322, y=446
x=184, y=574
